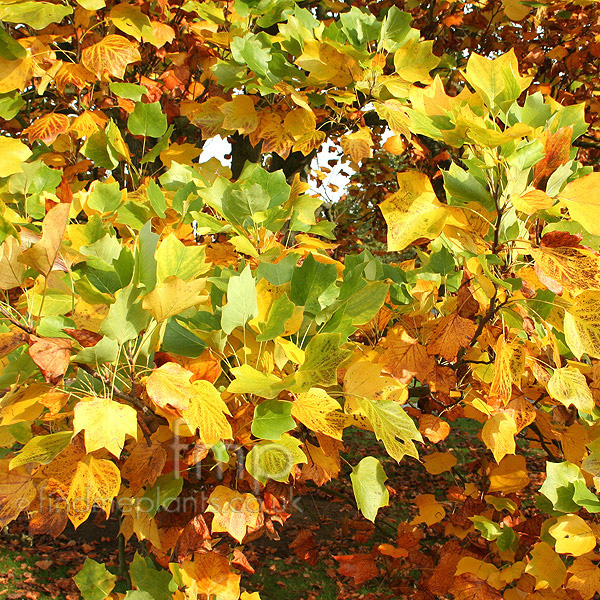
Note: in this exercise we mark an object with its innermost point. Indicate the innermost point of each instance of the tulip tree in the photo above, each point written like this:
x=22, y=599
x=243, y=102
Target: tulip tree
x=183, y=343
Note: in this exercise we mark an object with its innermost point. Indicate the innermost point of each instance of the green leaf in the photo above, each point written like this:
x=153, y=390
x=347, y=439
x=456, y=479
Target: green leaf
x=368, y=483
x=559, y=485
x=414, y=60
x=157, y=199
x=10, y=104
x=281, y=311
x=129, y=91
x=105, y=351
x=323, y=357
x=241, y=301
x=42, y=449
x=10, y=49
x=34, y=13
x=105, y=197
x=395, y=30
x=179, y=339
x=148, y=579
x=274, y=459
x=250, y=381
x=126, y=317
x=140, y=595
x=251, y=51
x=392, y=426
x=277, y=273
x=148, y=120
x=94, y=581
x=272, y=419
x=173, y=258
x=310, y=282
x=166, y=489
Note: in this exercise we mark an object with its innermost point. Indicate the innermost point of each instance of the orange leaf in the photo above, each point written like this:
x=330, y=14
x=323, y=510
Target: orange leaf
x=451, y=334
x=439, y=462
x=305, y=548
x=48, y=128
x=110, y=56
x=470, y=587
x=389, y=550
x=51, y=355
x=433, y=428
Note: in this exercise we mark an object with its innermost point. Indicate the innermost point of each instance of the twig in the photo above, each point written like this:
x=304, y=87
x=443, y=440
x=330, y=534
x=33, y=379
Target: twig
x=16, y=323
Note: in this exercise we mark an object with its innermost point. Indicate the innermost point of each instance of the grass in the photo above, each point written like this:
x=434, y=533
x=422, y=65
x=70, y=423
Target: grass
x=19, y=565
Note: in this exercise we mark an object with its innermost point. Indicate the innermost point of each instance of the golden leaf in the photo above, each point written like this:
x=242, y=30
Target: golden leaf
x=319, y=412
x=498, y=434
x=12, y=153
x=450, y=335
x=44, y=254
x=206, y=413
x=17, y=491
x=430, y=510
x=233, y=512
x=580, y=196
x=585, y=578
x=173, y=295
x=547, y=567
x=358, y=145
x=105, y=424
x=209, y=575
x=110, y=56
x=413, y=211
x=439, y=462
x=240, y=114
x=510, y=475
x=573, y=535
x=433, y=428
x=568, y=386
x=72, y=74
x=508, y=368
x=170, y=385
x=582, y=325
x=206, y=115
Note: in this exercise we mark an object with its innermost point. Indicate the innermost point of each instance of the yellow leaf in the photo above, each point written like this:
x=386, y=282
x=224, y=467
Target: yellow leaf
x=581, y=198
x=510, y=475
x=183, y=154
x=319, y=412
x=393, y=112
x=582, y=325
x=585, y=578
x=170, y=384
x=206, y=413
x=498, y=434
x=173, y=295
x=209, y=576
x=414, y=60
x=430, y=510
x=17, y=491
x=233, y=512
x=508, y=368
x=309, y=141
x=12, y=154
x=413, y=211
x=72, y=74
x=95, y=481
x=299, y=122
x=532, y=201
x=15, y=74
x=43, y=254
x=576, y=269
x=240, y=115
x=358, y=145
x=105, y=424
x=12, y=271
x=206, y=115
x=547, y=567
x=568, y=386
x=439, y=462
x=110, y=56
x=573, y=535
x=480, y=568
x=326, y=65
x=273, y=134
x=515, y=10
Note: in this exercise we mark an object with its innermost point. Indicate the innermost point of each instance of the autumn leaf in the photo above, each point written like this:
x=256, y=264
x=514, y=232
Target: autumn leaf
x=547, y=567
x=358, y=145
x=361, y=567
x=319, y=412
x=450, y=335
x=48, y=128
x=170, y=384
x=233, y=512
x=110, y=56
x=413, y=211
x=105, y=424
x=584, y=578
x=211, y=575
x=51, y=355
x=573, y=535
x=498, y=434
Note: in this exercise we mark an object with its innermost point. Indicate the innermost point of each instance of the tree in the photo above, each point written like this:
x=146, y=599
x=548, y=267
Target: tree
x=181, y=339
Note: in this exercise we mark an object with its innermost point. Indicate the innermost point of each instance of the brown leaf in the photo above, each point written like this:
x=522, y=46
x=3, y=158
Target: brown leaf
x=11, y=340
x=51, y=355
x=361, y=567
x=84, y=337
x=305, y=547
x=450, y=335
x=144, y=465
x=192, y=538
x=469, y=587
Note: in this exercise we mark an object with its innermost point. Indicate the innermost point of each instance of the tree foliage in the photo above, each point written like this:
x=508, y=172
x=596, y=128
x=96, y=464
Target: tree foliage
x=188, y=342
